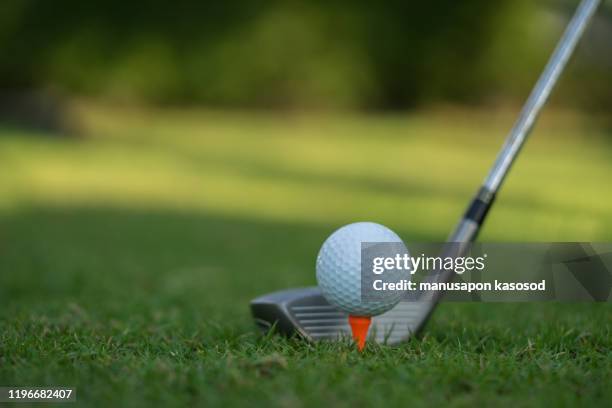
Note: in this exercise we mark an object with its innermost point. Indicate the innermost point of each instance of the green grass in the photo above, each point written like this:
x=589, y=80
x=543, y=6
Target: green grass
x=128, y=257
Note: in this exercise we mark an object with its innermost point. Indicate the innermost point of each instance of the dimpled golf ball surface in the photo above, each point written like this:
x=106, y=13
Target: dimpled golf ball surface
x=339, y=269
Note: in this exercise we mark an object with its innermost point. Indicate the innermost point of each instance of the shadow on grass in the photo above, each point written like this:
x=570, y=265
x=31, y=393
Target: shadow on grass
x=105, y=258
x=116, y=263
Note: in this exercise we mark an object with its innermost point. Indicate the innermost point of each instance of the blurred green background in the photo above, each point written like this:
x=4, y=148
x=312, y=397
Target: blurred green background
x=164, y=163
x=290, y=54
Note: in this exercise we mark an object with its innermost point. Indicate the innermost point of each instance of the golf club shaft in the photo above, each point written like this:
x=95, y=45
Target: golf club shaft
x=469, y=226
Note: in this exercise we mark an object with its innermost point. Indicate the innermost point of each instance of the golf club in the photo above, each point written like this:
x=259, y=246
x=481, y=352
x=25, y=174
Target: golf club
x=306, y=312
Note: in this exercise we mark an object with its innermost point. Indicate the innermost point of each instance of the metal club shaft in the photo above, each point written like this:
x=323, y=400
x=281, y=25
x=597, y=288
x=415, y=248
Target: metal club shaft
x=469, y=226
x=540, y=93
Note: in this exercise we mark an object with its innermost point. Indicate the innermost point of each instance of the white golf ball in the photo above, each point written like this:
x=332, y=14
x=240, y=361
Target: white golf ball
x=339, y=269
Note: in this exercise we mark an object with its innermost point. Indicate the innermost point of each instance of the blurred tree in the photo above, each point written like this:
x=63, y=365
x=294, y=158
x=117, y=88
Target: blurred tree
x=334, y=53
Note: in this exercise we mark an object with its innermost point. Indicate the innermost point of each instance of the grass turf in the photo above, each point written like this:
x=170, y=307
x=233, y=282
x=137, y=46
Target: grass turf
x=128, y=257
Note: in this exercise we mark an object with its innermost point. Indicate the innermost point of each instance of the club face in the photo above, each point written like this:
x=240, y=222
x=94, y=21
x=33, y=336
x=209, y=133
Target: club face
x=305, y=312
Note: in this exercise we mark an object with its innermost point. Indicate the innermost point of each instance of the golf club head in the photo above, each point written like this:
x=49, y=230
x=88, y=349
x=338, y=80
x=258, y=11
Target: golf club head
x=304, y=311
